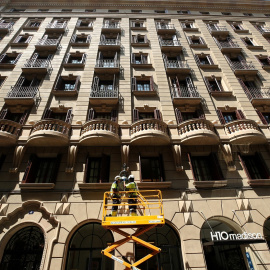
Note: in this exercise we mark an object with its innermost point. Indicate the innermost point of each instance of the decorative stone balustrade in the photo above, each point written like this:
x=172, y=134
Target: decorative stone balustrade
x=10, y=127
x=148, y=124
x=240, y=125
x=194, y=125
x=100, y=124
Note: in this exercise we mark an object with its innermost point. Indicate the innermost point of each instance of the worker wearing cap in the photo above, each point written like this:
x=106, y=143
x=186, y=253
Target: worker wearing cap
x=115, y=194
x=132, y=186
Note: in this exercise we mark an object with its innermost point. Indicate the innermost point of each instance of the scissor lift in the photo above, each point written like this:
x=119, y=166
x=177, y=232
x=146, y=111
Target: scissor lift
x=149, y=215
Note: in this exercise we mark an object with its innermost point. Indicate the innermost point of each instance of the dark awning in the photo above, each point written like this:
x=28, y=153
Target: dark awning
x=234, y=242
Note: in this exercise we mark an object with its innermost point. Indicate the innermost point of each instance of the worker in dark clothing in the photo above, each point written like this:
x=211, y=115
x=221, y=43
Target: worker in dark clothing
x=132, y=186
x=115, y=194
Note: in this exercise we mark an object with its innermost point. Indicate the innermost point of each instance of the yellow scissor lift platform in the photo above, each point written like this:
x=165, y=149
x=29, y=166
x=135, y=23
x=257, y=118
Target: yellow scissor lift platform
x=149, y=215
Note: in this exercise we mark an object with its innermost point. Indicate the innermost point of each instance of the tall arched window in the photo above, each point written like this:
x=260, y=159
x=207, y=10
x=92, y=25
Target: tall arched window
x=84, y=251
x=170, y=257
x=24, y=250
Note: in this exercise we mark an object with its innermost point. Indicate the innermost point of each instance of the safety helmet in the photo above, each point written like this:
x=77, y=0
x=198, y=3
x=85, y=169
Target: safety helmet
x=124, y=178
x=131, y=178
x=117, y=178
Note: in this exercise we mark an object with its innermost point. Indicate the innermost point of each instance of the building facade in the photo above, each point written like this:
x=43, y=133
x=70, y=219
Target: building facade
x=179, y=92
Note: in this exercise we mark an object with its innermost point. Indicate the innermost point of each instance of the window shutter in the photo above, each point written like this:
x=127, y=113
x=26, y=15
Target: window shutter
x=216, y=170
x=228, y=60
x=134, y=38
x=47, y=113
x=165, y=59
x=145, y=39
x=73, y=38
x=24, y=117
x=135, y=115
x=95, y=83
x=232, y=26
x=208, y=85
x=58, y=83
x=17, y=58
x=239, y=115
x=202, y=40
x=85, y=180
x=189, y=82
x=114, y=115
x=210, y=60
x=88, y=39
x=260, y=115
x=245, y=88
x=244, y=166
x=197, y=59
x=263, y=165
x=175, y=40
x=200, y=113
x=90, y=24
x=2, y=57
x=29, y=39
x=152, y=88
x=178, y=116
x=91, y=114
x=191, y=167
x=66, y=58
x=220, y=117
x=157, y=114
x=55, y=169
x=77, y=83
x=69, y=116
x=3, y=113
x=84, y=56
x=31, y=170
x=105, y=169
x=78, y=23
x=114, y=83
x=133, y=84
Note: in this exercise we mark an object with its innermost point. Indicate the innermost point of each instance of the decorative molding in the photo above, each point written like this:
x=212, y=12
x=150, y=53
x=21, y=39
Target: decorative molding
x=72, y=153
x=177, y=157
x=125, y=154
x=228, y=157
x=17, y=158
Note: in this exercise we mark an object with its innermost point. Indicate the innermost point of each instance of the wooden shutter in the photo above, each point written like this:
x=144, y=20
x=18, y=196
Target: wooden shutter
x=228, y=59
x=191, y=167
x=152, y=88
x=114, y=115
x=135, y=115
x=31, y=170
x=105, y=169
x=133, y=84
x=197, y=59
x=178, y=116
x=134, y=39
x=66, y=58
x=3, y=113
x=91, y=114
x=86, y=173
x=114, y=83
x=56, y=165
x=58, y=83
x=175, y=40
x=244, y=41
x=115, y=59
x=102, y=38
x=77, y=83
x=157, y=114
x=145, y=39
x=17, y=39
x=232, y=26
x=261, y=117
x=69, y=116
x=47, y=113
x=245, y=88
x=210, y=60
x=24, y=117
x=216, y=170
x=244, y=166
x=202, y=40
x=29, y=39
x=84, y=56
x=95, y=83
x=73, y=38
x=200, y=113
x=239, y=115
x=189, y=40
x=220, y=117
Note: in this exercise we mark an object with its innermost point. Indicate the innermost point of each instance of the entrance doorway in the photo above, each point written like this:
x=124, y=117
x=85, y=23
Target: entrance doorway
x=222, y=256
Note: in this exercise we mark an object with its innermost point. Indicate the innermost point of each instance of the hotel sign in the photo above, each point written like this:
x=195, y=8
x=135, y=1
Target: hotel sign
x=224, y=236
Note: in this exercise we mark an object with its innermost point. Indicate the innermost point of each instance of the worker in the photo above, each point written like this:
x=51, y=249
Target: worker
x=115, y=194
x=132, y=201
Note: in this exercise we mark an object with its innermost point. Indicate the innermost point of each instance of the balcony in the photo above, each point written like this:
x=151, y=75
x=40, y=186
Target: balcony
x=110, y=44
x=243, y=68
x=149, y=132
x=265, y=31
x=165, y=28
x=101, y=132
x=81, y=40
x=9, y=132
x=56, y=27
x=244, y=132
x=49, y=132
x=22, y=95
x=197, y=131
x=74, y=60
x=38, y=66
x=48, y=44
x=6, y=27
x=110, y=66
x=105, y=94
x=185, y=95
x=175, y=67
x=111, y=27
x=228, y=46
x=169, y=45
x=258, y=96
x=217, y=30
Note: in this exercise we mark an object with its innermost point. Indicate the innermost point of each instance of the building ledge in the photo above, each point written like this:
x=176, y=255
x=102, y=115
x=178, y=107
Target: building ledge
x=37, y=186
x=154, y=185
x=95, y=186
x=259, y=182
x=210, y=184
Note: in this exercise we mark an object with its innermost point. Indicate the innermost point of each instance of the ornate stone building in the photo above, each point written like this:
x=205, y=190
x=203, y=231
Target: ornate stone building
x=178, y=91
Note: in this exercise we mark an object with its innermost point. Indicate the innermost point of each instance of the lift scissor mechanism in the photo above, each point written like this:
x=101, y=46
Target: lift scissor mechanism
x=149, y=215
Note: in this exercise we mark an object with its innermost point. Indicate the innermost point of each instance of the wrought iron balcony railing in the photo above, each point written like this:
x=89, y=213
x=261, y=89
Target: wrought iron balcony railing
x=56, y=25
x=184, y=92
x=107, y=63
x=109, y=42
x=243, y=65
x=168, y=42
x=38, y=63
x=214, y=28
x=111, y=25
x=104, y=92
x=227, y=44
x=176, y=64
x=23, y=92
x=264, y=30
x=165, y=26
x=6, y=26
x=253, y=92
x=48, y=42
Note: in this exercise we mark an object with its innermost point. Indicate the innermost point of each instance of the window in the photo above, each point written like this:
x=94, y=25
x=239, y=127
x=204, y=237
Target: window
x=195, y=41
x=138, y=40
x=113, y=10
x=254, y=166
x=182, y=116
x=226, y=13
x=93, y=114
x=249, y=42
x=152, y=169
x=54, y=114
x=24, y=249
x=188, y=26
x=97, y=169
x=140, y=59
x=138, y=115
x=84, y=24
x=183, y=87
x=107, y=60
x=248, y=14
x=142, y=84
x=204, y=12
x=203, y=59
x=67, y=83
x=43, y=10
x=213, y=84
x=41, y=170
x=161, y=11
x=32, y=24
x=22, y=40
x=15, y=117
x=205, y=168
x=74, y=59
x=238, y=27
x=183, y=12
x=226, y=117
x=136, y=11
x=80, y=40
x=105, y=87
